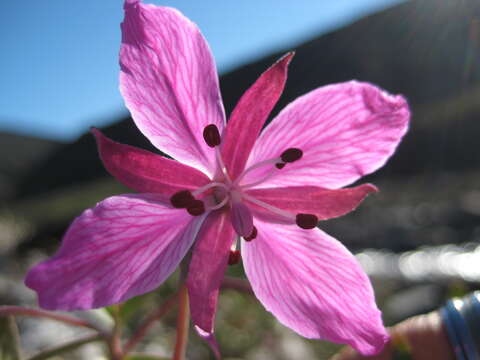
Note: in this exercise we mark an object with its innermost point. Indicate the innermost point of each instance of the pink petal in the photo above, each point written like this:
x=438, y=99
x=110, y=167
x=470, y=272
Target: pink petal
x=313, y=285
x=169, y=82
x=207, y=267
x=323, y=203
x=125, y=246
x=242, y=219
x=144, y=171
x=345, y=131
x=250, y=114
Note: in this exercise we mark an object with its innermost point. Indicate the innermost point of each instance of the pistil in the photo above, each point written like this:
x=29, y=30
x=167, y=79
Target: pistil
x=233, y=193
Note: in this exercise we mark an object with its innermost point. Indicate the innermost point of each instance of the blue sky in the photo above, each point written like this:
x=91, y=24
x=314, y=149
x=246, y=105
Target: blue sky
x=59, y=59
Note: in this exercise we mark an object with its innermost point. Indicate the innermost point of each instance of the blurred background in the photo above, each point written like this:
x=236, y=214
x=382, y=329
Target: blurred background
x=418, y=238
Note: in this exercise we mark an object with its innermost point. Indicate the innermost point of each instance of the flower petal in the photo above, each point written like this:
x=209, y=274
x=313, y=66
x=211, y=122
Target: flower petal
x=345, y=131
x=211, y=341
x=125, y=246
x=241, y=218
x=323, y=203
x=313, y=285
x=207, y=267
x=144, y=171
x=249, y=115
x=169, y=81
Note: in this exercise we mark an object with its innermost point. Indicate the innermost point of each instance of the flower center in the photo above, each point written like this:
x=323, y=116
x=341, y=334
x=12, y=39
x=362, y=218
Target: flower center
x=226, y=192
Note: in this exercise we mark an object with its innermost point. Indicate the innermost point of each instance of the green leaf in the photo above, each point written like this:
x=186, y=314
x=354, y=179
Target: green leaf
x=9, y=340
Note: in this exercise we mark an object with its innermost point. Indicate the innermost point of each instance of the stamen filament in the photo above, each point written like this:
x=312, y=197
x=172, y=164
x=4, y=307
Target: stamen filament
x=235, y=244
x=221, y=164
x=256, y=166
x=273, y=209
x=268, y=176
x=220, y=204
x=209, y=186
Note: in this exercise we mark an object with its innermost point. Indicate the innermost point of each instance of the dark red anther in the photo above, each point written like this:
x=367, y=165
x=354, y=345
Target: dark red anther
x=306, y=221
x=291, y=155
x=196, y=207
x=211, y=135
x=182, y=199
x=280, y=165
x=234, y=257
x=253, y=235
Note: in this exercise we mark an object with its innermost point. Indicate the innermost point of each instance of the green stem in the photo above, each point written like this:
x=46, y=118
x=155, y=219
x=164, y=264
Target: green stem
x=149, y=322
x=21, y=311
x=9, y=338
x=66, y=347
x=115, y=341
x=183, y=322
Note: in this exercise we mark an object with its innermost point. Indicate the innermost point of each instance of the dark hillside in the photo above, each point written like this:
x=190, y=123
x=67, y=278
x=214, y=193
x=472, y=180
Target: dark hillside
x=19, y=155
x=428, y=50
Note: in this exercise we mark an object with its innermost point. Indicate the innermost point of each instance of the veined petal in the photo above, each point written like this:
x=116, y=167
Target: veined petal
x=241, y=218
x=313, y=285
x=323, y=203
x=144, y=171
x=345, y=131
x=125, y=246
x=169, y=81
x=250, y=114
x=207, y=267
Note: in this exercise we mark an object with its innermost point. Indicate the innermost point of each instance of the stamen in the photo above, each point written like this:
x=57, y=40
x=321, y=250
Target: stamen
x=234, y=257
x=256, y=166
x=211, y=135
x=221, y=165
x=291, y=155
x=269, y=207
x=220, y=204
x=252, y=236
x=306, y=221
x=181, y=199
x=196, y=208
x=209, y=186
x=280, y=165
x=246, y=186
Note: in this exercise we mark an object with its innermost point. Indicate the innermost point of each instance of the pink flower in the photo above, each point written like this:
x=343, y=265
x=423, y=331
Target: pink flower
x=231, y=185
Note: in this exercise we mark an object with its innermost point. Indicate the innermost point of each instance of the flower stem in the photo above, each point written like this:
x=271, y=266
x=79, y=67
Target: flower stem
x=148, y=323
x=9, y=339
x=183, y=322
x=115, y=342
x=47, y=354
x=21, y=311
